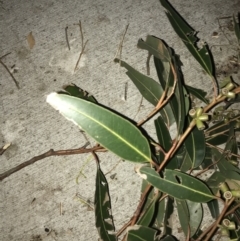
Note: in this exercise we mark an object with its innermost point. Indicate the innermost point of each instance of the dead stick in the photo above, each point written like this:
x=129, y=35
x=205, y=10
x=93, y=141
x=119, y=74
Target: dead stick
x=83, y=45
x=15, y=81
x=66, y=35
x=49, y=153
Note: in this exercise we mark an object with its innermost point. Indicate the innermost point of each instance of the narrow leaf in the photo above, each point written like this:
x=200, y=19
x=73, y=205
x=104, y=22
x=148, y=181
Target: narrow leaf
x=187, y=34
x=165, y=141
x=149, y=89
x=168, y=221
x=183, y=215
x=149, y=212
x=177, y=184
x=156, y=47
x=109, y=129
x=198, y=93
x=196, y=215
x=186, y=162
x=104, y=220
x=237, y=28
x=140, y=233
x=74, y=90
x=214, y=208
x=214, y=180
x=195, y=146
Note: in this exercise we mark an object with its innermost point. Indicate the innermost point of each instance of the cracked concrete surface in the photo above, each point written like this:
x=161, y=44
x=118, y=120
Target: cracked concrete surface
x=39, y=202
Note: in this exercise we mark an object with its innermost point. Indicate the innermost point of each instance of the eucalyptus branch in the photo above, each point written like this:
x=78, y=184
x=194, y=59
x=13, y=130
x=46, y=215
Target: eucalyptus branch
x=162, y=100
x=210, y=231
x=49, y=153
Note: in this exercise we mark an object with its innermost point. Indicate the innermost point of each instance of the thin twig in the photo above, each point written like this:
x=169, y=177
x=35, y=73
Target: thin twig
x=49, y=153
x=120, y=46
x=5, y=66
x=66, y=35
x=83, y=45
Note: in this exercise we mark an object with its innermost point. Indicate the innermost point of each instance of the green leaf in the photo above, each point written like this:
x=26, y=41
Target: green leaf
x=217, y=134
x=74, y=90
x=198, y=93
x=165, y=141
x=214, y=208
x=160, y=212
x=147, y=86
x=140, y=233
x=149, y=89
x=109, y=129
x=168, y=216
x=187, y=34
x=156, y=47
x=196, y=215
x=183, y=215
x=195, y=146
x=166, y=79
x=186, y=162
x=226, y=168
x=177, y=184
x=104, y=220
x=149, y=207
x=190, y=216
x=236, y=28
x=149, y=212
x=163, y=58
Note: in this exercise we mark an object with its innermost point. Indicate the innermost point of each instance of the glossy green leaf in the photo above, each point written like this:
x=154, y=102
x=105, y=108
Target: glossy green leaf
x=186, y=162
x=195, y=146
x=149, y=89
x=156, y=47
x=166, y=78
x=109, y=129
x=160, y=213
x=168, y=216
x=187, y=35
x=74, y=90
x=177, y=184
x=236, y=28
x=183, y=215
x=196, y=215
x=190, y=216
x=214, y=208
x=140, y=233
x=198, y=93
x=149, y=212
x=163, y=56
x=149, y=206
x=104, y=220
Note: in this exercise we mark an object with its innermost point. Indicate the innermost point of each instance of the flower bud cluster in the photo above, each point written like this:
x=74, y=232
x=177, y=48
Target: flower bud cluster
x=199, y=117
